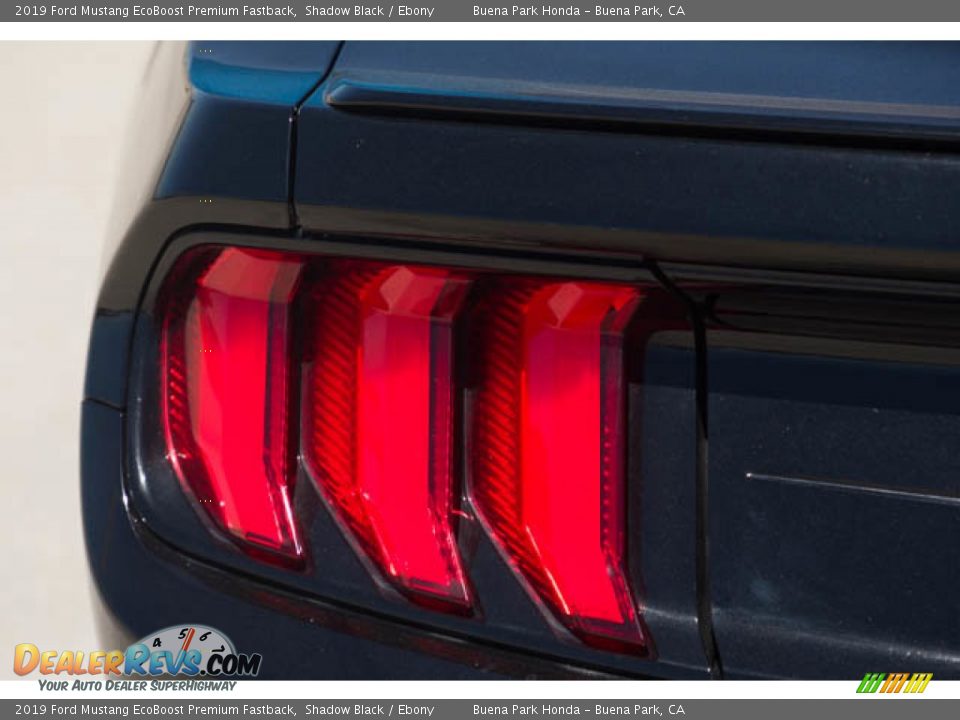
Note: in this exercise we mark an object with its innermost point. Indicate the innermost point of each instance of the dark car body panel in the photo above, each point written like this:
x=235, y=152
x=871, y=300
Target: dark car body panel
x=819, y=531
x=793, y=486
x=686, y=186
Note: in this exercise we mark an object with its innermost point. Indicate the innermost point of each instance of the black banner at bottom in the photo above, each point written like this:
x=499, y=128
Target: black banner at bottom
x=873, y=707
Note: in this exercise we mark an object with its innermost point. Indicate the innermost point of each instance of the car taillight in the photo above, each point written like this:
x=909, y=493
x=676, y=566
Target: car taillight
x=374, y=386
x=226, y=392
x=379, y=416
x=549, y=448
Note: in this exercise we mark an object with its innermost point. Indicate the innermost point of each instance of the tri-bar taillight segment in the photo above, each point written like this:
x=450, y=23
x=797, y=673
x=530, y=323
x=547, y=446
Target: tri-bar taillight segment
x=379, y=416
x=227, y=391
x=375, y=385
x=549, y=463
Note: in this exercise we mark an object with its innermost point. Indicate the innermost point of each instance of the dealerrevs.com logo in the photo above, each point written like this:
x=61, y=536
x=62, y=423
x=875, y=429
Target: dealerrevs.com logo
x=888, y=683
x=180, y=650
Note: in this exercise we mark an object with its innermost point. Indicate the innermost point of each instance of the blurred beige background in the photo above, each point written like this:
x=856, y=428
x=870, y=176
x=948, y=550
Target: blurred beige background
x=63, y=121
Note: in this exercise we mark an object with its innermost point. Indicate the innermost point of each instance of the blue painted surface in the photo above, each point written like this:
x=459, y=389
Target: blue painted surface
x=277, y=73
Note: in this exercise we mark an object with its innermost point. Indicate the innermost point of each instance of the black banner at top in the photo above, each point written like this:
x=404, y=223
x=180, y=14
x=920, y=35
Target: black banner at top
x=486, y=11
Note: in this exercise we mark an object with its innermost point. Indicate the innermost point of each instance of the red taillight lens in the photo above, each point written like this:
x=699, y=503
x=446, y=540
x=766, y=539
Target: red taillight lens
x=378, y=411
x=226, y=360
x=548, y=460
x=373, y=370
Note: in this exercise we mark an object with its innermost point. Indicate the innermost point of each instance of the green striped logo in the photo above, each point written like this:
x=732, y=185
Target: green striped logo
x=894, y=682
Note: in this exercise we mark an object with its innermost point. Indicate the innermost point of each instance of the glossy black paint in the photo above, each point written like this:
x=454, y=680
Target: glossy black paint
x=793, y=489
